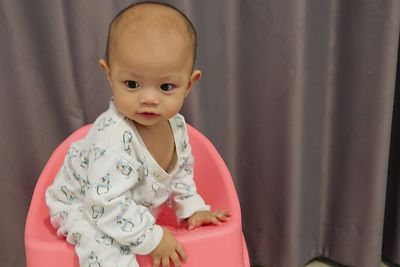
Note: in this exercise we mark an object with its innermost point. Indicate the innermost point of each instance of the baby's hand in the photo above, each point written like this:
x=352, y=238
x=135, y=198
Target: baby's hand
x=168, y=250
x=205, y=217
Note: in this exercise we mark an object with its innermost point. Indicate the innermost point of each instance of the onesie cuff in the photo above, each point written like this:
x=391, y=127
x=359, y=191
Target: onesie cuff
x=191, y=205
x=153, y=239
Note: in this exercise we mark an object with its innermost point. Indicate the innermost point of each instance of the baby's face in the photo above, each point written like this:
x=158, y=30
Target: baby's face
x=150, y=74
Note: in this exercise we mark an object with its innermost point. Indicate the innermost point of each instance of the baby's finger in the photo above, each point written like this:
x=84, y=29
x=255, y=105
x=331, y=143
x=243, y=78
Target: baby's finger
x=227, y=213
x=222, y=213
x=165, y=262
x=193, y=224
x=222, y=217
x=190, y=225
x=214, y=220
x=181, y=252
x=175, y=259
x=156, y=262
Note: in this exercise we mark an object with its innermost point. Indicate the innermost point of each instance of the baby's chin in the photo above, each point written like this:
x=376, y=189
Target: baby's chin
x=147, y=120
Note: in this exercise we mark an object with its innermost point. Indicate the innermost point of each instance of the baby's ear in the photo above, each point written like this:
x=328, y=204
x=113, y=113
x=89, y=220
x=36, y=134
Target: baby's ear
x=104, y=65
x=194, y=77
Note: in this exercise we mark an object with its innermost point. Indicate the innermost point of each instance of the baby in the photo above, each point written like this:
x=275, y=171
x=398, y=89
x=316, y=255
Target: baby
x=136, y=156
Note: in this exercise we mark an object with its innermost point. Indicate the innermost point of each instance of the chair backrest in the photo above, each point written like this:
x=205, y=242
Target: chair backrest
x=212, y=178
x=44, y=248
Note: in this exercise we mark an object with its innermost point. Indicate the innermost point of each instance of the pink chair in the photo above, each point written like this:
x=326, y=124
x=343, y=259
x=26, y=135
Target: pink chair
x=211, y=246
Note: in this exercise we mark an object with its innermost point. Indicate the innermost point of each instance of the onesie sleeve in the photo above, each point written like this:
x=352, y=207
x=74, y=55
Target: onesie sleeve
x=183, y=188
x=65, y=195
x=110, y=207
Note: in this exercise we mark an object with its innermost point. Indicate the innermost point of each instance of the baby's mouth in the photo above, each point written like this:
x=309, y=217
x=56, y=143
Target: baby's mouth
x=148, y=115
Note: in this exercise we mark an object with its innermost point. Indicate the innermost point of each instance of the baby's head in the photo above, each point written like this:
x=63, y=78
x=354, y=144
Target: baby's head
x=167, y=16
x=149, y=61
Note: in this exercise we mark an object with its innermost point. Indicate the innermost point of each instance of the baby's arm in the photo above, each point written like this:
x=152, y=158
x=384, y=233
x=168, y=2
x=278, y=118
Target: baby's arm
x=110, y=207
x=188, y=203
x=183, y=188
x=121, y=218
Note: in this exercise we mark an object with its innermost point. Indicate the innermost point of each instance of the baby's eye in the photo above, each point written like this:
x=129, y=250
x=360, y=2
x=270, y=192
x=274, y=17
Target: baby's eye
x=132, y=84
x=167, y=87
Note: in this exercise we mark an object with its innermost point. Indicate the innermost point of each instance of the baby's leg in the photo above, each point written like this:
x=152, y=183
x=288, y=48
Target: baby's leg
x=96, y=249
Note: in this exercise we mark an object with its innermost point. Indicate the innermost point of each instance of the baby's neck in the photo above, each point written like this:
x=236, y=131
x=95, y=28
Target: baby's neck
x=159, y=141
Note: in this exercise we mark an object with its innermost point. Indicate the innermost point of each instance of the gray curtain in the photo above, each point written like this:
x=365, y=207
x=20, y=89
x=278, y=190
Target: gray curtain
x=299, y=97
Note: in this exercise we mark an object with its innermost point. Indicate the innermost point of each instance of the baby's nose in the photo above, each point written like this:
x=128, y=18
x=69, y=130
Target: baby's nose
x=149, y=97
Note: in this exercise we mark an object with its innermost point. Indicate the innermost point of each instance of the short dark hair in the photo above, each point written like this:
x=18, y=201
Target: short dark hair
x=188, y=23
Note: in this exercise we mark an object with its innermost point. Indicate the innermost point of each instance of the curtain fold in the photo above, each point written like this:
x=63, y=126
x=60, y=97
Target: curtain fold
x=299, y=97
x=391, y=240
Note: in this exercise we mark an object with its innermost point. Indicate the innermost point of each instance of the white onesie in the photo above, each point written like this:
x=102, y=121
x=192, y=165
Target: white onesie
x=106, y=195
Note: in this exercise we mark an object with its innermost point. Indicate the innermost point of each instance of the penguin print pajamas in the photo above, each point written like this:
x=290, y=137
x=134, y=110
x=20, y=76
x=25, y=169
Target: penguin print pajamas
x=105, y=197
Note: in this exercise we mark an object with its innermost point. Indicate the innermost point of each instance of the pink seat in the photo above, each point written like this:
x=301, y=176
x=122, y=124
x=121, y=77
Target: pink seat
x=209, y=246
